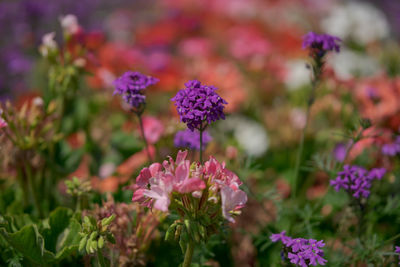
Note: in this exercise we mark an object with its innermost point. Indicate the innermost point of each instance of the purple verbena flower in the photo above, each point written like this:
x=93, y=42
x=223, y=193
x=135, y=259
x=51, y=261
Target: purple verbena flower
x=191, y=139
x=357, y=180
x=321, y=43
x=199, y=105
x=130, y=86
x=300, y=251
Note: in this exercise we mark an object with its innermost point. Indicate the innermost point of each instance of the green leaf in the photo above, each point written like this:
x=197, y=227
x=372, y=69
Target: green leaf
x=69, y=241
x=29, y=243
x=59, y=220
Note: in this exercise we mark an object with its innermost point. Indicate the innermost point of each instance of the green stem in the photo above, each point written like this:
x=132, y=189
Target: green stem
x=144, y=137
x=300, y=153
x=100, y=257
x=78, y=204
x=188, y=254
x=317, y=71
x=33, y=190
x=201, y=146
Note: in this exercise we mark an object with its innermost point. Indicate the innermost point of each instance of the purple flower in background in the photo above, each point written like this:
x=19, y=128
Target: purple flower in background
x=321, y=43
x=280, y=237
x=301, y=252
x=392, y=149
x=131, y=85
x=191, y=139
x=357, y=180
x=199, y=105
x=397, y=250
x=340, y=151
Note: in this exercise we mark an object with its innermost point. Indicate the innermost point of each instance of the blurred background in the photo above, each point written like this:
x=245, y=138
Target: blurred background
x=159, y=35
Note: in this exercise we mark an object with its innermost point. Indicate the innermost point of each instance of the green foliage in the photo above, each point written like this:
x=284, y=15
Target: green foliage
x=46, y=242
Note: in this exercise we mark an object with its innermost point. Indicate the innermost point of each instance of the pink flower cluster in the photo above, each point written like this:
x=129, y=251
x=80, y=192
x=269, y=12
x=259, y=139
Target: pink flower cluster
x=157, y=185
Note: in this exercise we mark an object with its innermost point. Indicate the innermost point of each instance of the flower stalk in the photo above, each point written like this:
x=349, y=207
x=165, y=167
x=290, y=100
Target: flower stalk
x=188, y=254
x=139, y=115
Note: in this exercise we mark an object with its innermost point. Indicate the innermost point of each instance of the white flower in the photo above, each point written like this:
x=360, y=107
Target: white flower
x=361, y=22
x=297, y=74
x=348, y=64
x=69, y=23
x=37, y=101
x=251, y=135
x=107, y=169
x=48, y=44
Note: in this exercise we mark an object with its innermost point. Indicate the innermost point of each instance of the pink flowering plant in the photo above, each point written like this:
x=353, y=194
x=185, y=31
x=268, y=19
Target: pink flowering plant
x=204, y=196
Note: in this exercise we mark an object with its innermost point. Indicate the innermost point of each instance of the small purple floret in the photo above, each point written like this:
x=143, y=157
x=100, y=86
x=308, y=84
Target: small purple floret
x=199, y=105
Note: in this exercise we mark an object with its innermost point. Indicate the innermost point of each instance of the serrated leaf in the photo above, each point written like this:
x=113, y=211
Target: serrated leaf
x=29, y=243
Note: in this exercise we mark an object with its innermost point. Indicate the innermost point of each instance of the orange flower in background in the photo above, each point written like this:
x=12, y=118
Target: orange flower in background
x=113, y=59
x=378, y=98
x=227, y=78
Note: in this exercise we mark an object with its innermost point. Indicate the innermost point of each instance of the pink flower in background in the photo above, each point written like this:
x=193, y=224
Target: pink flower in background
x=70, y=24
x=3, y=124
x=248, y=42
x=153, y=129
x=196, y=47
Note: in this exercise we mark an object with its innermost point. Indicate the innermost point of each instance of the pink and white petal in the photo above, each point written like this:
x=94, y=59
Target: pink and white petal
x=191, y=185
x=143, y=178
x=181, y=156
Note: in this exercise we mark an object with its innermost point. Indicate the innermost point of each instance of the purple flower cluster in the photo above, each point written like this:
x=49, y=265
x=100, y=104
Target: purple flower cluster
x=321, y=43
x=302, y=252
x=357, y=180
x=131, y=85
x=392, y=149
x=198, y=104
x=191, y=139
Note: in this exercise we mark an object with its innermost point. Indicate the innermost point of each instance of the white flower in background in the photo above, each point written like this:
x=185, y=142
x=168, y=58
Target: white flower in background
x=38, y=101
x=48, y=44
x=69, y=23
x=251, y=135
x=348, y=64
x=106, y=170
x=361, y=22
x=297, y=74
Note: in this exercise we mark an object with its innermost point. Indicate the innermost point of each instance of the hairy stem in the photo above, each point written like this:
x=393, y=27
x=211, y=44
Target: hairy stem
x=36, y=202
x=317, y=72
x=144, y=137
x=188, y=254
